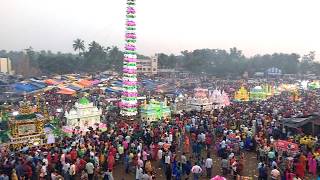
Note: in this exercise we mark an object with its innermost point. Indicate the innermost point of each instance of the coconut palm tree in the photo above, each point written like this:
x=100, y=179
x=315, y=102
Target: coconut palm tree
x=78, y=45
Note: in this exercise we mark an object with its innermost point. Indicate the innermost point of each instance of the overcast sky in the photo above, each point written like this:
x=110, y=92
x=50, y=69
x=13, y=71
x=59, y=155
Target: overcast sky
x=255, y=26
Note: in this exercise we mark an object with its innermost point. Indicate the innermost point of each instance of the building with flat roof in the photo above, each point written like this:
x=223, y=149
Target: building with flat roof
x=147, y=66
x=5, y=66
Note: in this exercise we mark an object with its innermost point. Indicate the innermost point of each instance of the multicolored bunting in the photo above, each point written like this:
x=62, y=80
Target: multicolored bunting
x=129, y=100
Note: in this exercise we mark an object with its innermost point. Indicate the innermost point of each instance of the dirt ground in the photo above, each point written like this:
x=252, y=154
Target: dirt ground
x=250, y=168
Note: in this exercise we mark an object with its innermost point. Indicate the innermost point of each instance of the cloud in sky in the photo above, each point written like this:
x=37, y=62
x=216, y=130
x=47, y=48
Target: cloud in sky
x=255, y=26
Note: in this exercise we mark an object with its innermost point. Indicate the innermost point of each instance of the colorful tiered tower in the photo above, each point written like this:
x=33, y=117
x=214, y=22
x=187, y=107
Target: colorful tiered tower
x=129, y=93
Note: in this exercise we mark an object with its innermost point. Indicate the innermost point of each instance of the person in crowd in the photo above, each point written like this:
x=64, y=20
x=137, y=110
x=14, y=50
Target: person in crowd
x=196, y=171
x=208, y=165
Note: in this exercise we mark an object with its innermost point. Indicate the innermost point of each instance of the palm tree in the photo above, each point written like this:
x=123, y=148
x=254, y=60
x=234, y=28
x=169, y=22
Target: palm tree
x=93, y=46
x=78, y=45
x=95, y=49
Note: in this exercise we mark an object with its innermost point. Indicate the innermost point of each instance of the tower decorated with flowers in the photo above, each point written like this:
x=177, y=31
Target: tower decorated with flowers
x=129, y=93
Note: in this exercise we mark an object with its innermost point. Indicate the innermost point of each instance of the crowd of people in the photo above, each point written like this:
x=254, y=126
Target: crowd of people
x=192, y=145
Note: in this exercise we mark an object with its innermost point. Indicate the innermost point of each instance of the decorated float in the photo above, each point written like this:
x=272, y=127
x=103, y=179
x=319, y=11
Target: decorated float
x=304, y=84
x=242, y=95
x=155, y=111
x=295, y=96
x=82, y=116
x=257, y=94
x=269, y=90
x=287, y=87
x=26, y=128
x=200, y=101
x=219, y=99
x=129, y=102
x=314, y=85
x=179, y=104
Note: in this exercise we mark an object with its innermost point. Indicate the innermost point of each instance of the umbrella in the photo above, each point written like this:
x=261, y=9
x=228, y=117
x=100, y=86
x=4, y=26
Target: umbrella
x=218, y=178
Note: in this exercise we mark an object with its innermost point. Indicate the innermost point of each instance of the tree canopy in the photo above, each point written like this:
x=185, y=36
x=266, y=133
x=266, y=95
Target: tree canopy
x=218, y=62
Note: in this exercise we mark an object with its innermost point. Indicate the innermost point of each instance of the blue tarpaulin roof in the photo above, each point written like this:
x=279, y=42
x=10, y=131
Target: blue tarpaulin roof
x=25, y=87
x=40, y=85
x=112, y=90
x=74, y=87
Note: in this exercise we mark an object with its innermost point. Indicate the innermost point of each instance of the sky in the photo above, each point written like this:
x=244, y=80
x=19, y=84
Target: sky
x=169, y=26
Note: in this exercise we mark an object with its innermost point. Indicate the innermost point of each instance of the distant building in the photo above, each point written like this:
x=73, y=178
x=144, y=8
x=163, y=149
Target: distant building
x=274, y=71
x=147, y=66
x=167, y=72
x=5, y=66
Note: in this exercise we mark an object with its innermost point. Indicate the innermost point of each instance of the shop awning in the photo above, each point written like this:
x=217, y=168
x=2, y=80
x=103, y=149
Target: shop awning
x=85, y=83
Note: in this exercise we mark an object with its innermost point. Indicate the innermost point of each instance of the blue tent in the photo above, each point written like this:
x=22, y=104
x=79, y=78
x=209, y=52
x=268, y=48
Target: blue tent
x=74, y=87
x=25, y=87
x=110, y=90
x=40, y=85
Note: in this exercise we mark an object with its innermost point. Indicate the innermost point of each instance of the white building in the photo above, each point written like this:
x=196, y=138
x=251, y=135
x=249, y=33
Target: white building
x=148, y=66
x=84, y=114
x=5, y=66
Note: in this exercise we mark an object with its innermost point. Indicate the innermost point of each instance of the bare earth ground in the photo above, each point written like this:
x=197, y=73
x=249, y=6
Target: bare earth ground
x=250, y=168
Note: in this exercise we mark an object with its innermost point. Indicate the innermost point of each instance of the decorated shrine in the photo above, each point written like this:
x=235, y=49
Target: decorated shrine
x=269, y=90
x=314, y=85
x=179, y=104
x=129, y=102
x=219, y=99
x=83, y=115
x=27, y=127
x=155, y=110
x=200, y=101
x=287, y=87
x=295, y=96
x=242, y=94
x=258, y=93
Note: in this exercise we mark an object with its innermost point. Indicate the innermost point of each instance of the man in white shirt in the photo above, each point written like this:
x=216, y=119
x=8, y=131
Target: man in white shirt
x=65, y=170
x=159, y=156
x=167, y=159
x=72, y=171
x=90, y=170
x=139, y=173
x=183, y=162
x=196, y=171
x=208, y=165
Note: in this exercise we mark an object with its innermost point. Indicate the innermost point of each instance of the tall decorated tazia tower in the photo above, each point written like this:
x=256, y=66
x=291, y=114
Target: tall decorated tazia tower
x=129, y=94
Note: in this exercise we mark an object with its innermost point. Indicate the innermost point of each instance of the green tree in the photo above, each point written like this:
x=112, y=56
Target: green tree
x=115, y=57
x=307, y=63
x=78, y=45
x=96, y=57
